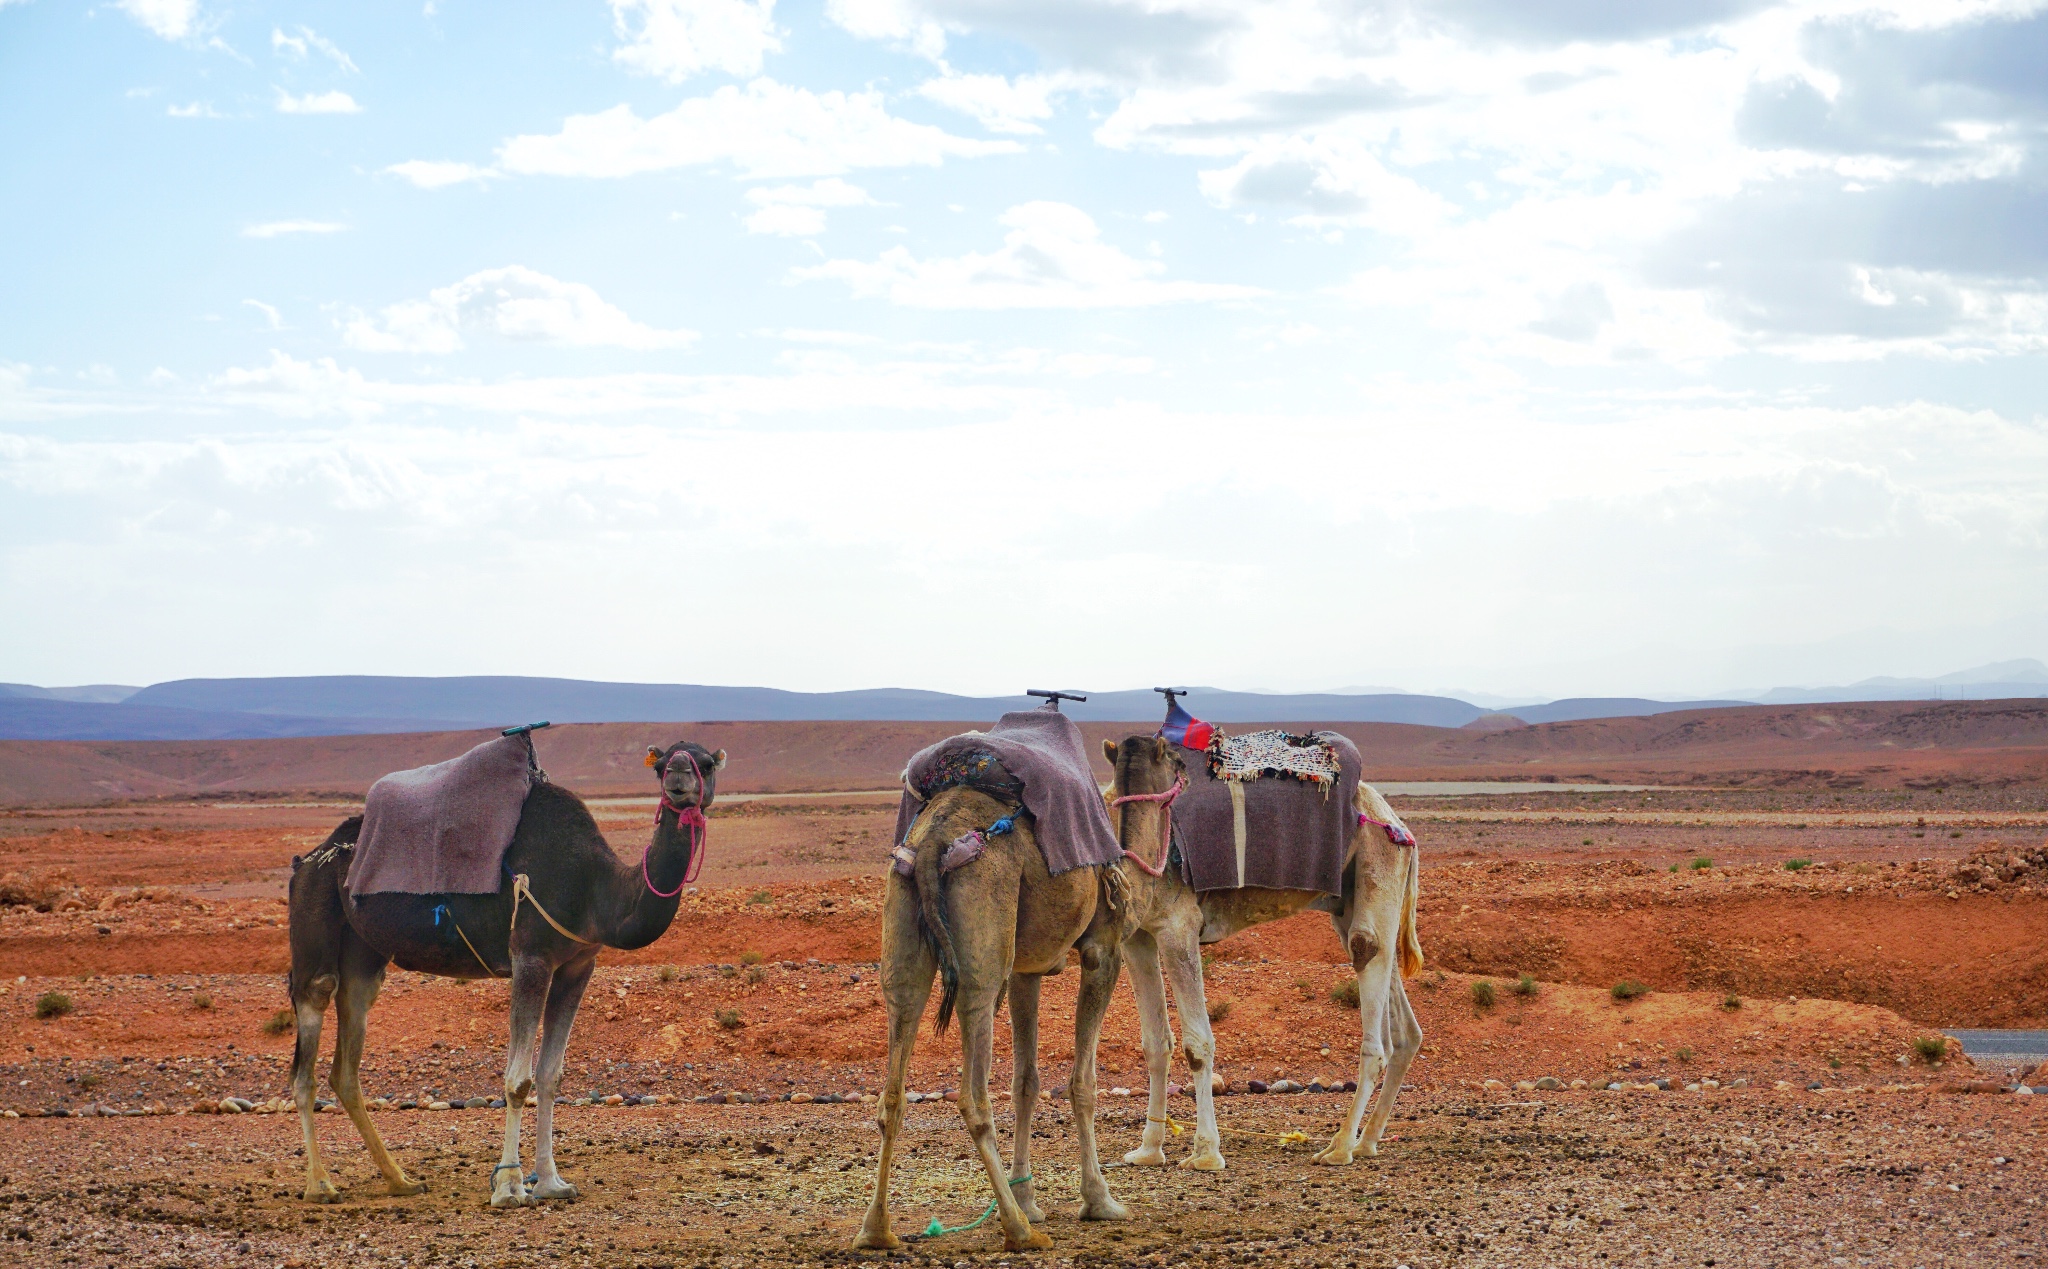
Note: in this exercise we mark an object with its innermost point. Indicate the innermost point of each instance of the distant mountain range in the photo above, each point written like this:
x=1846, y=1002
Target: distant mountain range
x=222, y=709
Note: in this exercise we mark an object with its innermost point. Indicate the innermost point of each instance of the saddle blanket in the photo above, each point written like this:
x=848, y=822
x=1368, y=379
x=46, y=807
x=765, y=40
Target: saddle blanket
x=1278, y=834
x=444, y=829
x=1274, y=753
x=1039, y=754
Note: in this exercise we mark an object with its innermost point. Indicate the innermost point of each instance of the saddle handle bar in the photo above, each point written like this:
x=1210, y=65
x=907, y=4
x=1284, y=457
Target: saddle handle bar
x=523, y=728
x=1054, y=698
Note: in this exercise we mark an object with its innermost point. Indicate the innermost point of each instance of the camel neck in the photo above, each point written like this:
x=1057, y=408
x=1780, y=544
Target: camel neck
x=643, y=915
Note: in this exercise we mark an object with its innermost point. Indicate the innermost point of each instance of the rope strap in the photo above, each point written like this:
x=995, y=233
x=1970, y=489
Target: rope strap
x=522, y=892
x=441, y=911
x=1165, y=800
x=935, y=1230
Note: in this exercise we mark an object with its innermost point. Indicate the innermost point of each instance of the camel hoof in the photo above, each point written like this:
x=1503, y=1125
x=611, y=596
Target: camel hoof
x=1333, y=1155
x=510, y=1198
x=1209, y=1161
x=1033, y=1240
x=556, y=1190
x=322, y=1191
x=406, y=1188
x=1146, y=1157
x=877, y=1240
x=1104, y=1209
x=1033, y=1212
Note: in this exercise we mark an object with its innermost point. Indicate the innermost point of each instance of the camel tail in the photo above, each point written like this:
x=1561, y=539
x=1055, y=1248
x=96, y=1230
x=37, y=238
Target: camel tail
x=931, y=912
x=1371, y=804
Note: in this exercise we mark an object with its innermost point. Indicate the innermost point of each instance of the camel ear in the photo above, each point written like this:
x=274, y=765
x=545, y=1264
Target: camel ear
x=1109, y=751
x=653, y=758
x=718, y=761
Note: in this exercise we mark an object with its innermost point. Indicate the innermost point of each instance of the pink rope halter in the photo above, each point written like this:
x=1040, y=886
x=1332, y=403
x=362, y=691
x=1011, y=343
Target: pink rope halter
x=1165, y=799
x=687, y=817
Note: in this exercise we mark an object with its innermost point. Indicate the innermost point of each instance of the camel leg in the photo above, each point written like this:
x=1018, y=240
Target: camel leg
x=1100, y=964
x=531, y=978
x=564, y=996
x=1183, y=965
x=1024, y=990
x=977, y=1012
x=362, y=976
x=1373, y=961
x=310, y=1008
x=1156, y=1033
x=907, y=970
x=1404, y=1041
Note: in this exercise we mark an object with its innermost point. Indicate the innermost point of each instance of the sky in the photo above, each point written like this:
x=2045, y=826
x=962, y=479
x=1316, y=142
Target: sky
x=1669, y=348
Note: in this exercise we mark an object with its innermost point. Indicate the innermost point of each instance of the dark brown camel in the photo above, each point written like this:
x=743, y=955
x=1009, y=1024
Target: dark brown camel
x=340, y=949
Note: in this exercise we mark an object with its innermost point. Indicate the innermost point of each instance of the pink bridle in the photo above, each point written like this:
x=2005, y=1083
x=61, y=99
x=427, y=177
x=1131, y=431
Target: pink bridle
x=1180, y=785
x=691, y=817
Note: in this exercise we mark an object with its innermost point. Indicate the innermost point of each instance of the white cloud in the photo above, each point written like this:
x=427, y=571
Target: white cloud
x=798, y=211
x=675, y=39
x=438, y=173
x=172, y=19
x=333, y=102
x=282, y=228
x=1053, y=257
x=765, y=130
x=271, y=316
x=297, y=46
x=197, y=110
x=1002, y=105
x=897, y=21
x=512, y=303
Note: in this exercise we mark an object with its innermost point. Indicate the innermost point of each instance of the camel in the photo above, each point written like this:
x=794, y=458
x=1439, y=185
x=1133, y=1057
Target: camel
x=1169, y=921
x=998, y=923
x=592, y=901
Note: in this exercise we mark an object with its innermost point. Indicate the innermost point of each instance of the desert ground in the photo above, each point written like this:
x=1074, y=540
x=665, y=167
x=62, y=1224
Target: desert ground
x=1803, y=915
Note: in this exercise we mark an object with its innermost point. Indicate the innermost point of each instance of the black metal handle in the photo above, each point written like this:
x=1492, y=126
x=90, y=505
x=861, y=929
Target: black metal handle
x=1054, y=698
x=524, y=728
x=1169, y=693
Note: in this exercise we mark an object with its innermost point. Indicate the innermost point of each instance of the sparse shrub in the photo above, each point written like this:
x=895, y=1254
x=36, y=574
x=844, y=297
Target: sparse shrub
x=728, y=971
x=1434, y=982
x=279, y=1022
x=1219, y=1010
x=1797, y=865
x=200, y=1000
x=750, y=958
x=757, y=974
x=1526, y=985
x=53, y=1004
x=1955, y=834
x=1587, y=842
x=1674, y=867
x=1628, y=989
x=668, y=973
x=1834, y=1064
x=1683, y=1055
x=1731, y=1001
x=1702, y=864
x=761, y=896
x=89, y=1081
x=1345, y=992
x=1482, y=994
x=730, y=1019
x=1931, y=1048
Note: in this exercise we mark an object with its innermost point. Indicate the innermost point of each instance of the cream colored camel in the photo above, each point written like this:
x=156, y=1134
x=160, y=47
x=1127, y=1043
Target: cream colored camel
x=1168, y=922
x=1000, y=921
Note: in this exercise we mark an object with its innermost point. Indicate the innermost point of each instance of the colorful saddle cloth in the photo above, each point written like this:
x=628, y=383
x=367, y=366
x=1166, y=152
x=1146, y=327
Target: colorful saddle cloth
x=1034, y=757
x=1243, y=830
x=444, y=829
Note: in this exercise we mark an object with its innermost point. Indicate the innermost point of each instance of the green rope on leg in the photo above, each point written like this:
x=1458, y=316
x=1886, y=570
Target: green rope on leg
x=935, y=1229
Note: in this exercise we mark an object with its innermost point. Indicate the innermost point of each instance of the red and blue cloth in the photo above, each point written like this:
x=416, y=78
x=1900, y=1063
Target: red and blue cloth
x=1183, y=728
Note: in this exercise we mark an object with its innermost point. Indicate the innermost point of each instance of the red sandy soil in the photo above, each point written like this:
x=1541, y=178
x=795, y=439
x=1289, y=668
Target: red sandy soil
x=1902, y=744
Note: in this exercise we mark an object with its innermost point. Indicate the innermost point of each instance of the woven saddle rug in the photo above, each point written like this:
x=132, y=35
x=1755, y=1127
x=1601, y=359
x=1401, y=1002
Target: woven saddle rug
x=1034, y=757
x=1275, y=753
x=1281, y=834
x=444, y=829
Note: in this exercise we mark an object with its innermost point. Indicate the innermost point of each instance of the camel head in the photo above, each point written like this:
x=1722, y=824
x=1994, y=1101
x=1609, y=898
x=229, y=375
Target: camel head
x=1143, y=764
x=687, y=772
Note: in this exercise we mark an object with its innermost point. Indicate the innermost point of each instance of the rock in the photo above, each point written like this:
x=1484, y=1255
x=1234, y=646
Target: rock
x=1491, y=1084
x=1283, y=1086
x=1525, y=1086
x=953, y=1094
x=1614, y=1086
x=1552, y=1084
x=1173, y=1090
x=1316, y=1086
x=1661, y=1085
x=1738, y=1084
x=1255, y=1086
x=1119, y=1090
x=1218, y=1085
x=409, y=1104
x=496, y=1103
x=437, y=1105
x=1782, y=1087
x=805, y=1099
x=2020, y=1089
x=1578, y=1083
x=1815, y=1087
x=477, y=1103
x=614, y=1099
x=913, y=1097
x=1710, y=1083
x=233, y=1106
x=1692, y=1088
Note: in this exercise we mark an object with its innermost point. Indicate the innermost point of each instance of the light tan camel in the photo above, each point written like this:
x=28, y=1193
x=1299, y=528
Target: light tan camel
x=999, y=921
x=1168, y=922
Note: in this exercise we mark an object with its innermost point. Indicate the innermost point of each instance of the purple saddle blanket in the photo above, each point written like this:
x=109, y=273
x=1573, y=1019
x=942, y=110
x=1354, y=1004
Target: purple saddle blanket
x=1275, y=832
x=444, y=829
x=1040, y=752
